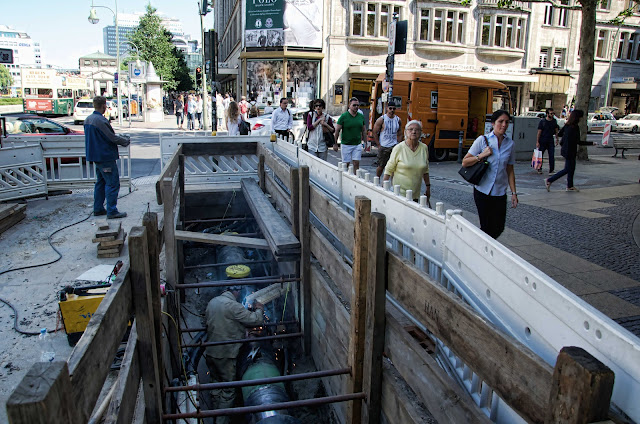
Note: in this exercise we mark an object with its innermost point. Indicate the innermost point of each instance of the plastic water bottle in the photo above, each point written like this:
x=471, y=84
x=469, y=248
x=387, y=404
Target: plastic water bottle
x=46, y=347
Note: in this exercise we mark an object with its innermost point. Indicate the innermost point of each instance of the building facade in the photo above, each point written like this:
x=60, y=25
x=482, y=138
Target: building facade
x=26, y=53
x=533, y=48
x=100, y=68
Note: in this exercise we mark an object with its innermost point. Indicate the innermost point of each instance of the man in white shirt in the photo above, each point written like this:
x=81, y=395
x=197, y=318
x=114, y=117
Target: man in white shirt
x=282, y=120
x=268, y=108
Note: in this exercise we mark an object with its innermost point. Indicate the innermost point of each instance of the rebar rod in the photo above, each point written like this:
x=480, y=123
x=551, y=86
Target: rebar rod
x=266, y=324
x=253, y=339
x=270, y=407
x=259, y=381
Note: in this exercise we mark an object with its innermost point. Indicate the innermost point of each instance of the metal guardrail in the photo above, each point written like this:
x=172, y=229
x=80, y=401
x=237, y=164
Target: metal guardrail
x=22, y=172
x=501, y=286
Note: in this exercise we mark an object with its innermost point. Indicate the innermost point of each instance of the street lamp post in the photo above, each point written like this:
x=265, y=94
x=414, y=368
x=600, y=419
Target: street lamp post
x=93, y=18
x=138, y=64
x=613, y=44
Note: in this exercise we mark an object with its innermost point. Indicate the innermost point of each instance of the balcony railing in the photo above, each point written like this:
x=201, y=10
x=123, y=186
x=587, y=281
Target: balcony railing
x=518, y=5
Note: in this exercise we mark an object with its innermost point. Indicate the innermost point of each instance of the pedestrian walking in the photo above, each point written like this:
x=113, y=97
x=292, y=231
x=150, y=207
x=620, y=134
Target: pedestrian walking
x=569, y=150
x=191, y=112
x=178, y=106
x=319, y=125
x=282, y=120
x=199, y=108
x=220, y=111
x=268, y=108
x=227, y=319
x=234, y=117
x=386, y=135
x=547, y=138
x=101, y=146
x=244, y=107
x=351, y=124
x=490, y=195
x=408, y=163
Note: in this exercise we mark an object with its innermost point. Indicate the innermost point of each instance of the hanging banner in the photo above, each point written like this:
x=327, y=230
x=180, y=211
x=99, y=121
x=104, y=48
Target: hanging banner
x=275, y=23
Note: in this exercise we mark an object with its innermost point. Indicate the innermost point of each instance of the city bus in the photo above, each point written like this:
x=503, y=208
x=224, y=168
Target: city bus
x=49, y=92
x=445, y=105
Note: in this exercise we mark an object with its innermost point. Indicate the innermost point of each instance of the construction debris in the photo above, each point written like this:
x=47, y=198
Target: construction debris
x=110, y=239
x=11, y=214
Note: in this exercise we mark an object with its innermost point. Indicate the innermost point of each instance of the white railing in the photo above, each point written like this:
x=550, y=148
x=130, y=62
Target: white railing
x=22, y=172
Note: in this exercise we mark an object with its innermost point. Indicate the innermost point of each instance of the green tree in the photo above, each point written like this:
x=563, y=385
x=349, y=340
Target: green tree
x=154, y=42
x=6, y=80
x=183, y=76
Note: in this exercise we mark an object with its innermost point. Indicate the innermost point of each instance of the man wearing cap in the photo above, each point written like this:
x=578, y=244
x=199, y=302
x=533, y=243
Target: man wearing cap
x=227, y=319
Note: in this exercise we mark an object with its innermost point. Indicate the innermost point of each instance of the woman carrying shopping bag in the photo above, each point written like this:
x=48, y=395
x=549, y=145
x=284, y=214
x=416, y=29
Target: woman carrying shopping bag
x=569, y=150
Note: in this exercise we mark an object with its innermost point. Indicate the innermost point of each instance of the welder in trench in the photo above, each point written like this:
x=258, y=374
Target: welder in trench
x=227, y=319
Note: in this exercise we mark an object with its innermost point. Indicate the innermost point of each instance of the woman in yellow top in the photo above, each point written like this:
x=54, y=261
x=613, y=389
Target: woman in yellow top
x=409, y=162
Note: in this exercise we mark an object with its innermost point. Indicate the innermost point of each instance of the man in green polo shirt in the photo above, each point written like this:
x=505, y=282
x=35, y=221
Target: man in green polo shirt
x=351, y=123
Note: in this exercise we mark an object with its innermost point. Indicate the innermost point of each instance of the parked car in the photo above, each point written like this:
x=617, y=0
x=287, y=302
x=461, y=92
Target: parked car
x=597, y=121
x=83, y=108
x=26, y=125
x=543, y=115
x=630, y=123
x=617, y=113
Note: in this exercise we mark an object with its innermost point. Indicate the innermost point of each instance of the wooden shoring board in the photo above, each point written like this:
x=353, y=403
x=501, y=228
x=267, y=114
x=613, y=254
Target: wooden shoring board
x=279, y=167
x=123, y=401
x=11, y=220
x=277, y=233
x=167, y=172
x=9, y=209
x=279, y=196
x=249, y=242
x=520, y=377
x=337, y=220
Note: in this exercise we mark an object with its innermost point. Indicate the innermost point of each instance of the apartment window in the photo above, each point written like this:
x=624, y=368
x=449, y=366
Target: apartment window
x=601, y=44
x=519, y=33
x=604, y=4
x=371, y=19
x=486, y=30
x=95, y=63
x=450, y=20
x=384, y=20
x=632, y=42
x=623, y=36
x=508, y=42
x=558, y=58
x=497, y=32
x=87, y=62
x=548, y=15
x=563, y=18
x=113, y=63
x=461, y=19
x=425, y=15
x=543, y=62
x=357, y=19
x=637, y=47
x=437, y=26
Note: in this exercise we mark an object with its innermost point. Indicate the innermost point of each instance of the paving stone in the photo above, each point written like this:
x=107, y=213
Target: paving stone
x=611, y=305
x=630, y=323
x=607, y=280
x=631, y=295
x=576, y=285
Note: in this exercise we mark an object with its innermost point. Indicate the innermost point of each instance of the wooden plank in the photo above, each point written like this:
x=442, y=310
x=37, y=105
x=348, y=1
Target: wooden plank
x=332, y=262
x=359, y=303
x=147, y=354
x=513, y=371
x=43, y=396
x=375, y=319
x=279, y=195
x=108, y=250
x=8, y=209
x=168, y=230
x=91, y=358
x=123, y=401
x=113, y=231
x=447, y=401
x=295, y=201
x=581, y=390
x=215, y=148
x=277, y=165
x=11, y=220
x=337, y=220
x=305, y=257
x=109, y=255
x=275, y=230
x=399, y=403
x=150, y=222
x=167, y=172
x=261, y=173
x=119, y=240
x=249, y=242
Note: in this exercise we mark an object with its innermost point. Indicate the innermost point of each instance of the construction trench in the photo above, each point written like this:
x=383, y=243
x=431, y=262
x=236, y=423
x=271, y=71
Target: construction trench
x=366, y=315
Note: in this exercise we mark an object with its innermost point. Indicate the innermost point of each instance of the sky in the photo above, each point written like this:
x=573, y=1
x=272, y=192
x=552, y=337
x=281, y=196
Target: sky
x=64, y=33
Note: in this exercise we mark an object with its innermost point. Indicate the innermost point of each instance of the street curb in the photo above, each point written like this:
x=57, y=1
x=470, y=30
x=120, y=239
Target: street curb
x=636, y=230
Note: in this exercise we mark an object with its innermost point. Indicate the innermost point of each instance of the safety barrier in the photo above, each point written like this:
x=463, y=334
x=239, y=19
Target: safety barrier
x=22, y=172
x=64, y=164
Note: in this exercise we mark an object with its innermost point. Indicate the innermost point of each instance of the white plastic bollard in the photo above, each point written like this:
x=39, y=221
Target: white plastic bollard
x=396, y=189
x=350, y=170
x=409, y=195
x=376, y=180
x=386, y=185
x=440, y=208
x=339, y=166
x=423, y=201
x=367, y=177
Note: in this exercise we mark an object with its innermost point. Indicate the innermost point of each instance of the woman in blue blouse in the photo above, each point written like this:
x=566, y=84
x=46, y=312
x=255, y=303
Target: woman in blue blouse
x=490, y=195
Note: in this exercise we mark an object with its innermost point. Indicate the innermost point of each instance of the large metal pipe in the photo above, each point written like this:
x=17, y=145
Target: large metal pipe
x=273, y=407
x=238, y=282
x=255, y=382
x=225, y=264
x=266, y=324
x=254, y=339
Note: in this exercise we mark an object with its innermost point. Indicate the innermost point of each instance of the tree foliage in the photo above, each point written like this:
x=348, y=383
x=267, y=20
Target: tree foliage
x=154, y=42
x=6, y=80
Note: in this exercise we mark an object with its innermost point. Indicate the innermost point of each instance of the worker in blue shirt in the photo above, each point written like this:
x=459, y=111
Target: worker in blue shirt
x=101, y=145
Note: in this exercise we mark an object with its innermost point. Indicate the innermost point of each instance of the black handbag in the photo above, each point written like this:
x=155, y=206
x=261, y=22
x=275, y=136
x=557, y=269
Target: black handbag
x=329, y=139
x=244, y=128
x=475, y=172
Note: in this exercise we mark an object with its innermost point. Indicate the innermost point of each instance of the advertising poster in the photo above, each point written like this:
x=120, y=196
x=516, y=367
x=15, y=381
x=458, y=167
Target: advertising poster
x=264, y=81
x=274, y=23
x=264, y=23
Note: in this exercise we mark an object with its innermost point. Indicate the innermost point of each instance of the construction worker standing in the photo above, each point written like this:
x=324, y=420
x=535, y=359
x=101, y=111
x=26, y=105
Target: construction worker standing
x=227, y=319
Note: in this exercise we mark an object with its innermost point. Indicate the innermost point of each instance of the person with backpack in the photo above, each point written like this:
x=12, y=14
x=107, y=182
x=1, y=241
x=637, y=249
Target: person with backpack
x=244, y=107
x=282, y=120
x=253, y=110
x=320, y=126
x=234, y=118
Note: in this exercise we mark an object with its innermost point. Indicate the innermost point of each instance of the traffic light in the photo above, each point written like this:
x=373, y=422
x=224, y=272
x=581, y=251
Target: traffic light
x=205, y=7
x=198, y=76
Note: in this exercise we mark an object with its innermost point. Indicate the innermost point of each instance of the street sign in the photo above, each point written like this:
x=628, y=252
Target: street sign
x=6, y=56
x=385, y=86
x=115, y=78
x=138, y=74
x=392, y=37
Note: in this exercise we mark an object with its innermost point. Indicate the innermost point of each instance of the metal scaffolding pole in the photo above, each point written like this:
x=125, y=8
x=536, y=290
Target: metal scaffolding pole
x=238, y=282
x=266, y=324
x=253, y=339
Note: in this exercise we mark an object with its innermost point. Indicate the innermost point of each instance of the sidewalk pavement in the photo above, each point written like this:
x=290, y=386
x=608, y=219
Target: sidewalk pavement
x=168, y=124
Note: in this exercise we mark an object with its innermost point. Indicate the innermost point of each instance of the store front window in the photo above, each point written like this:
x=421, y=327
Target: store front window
x=265, y=81
x=302, y=81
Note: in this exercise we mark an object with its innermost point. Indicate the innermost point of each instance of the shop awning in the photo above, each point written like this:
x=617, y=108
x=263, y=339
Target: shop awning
x=625, y=86
x=551, y=83
x=368, y=71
